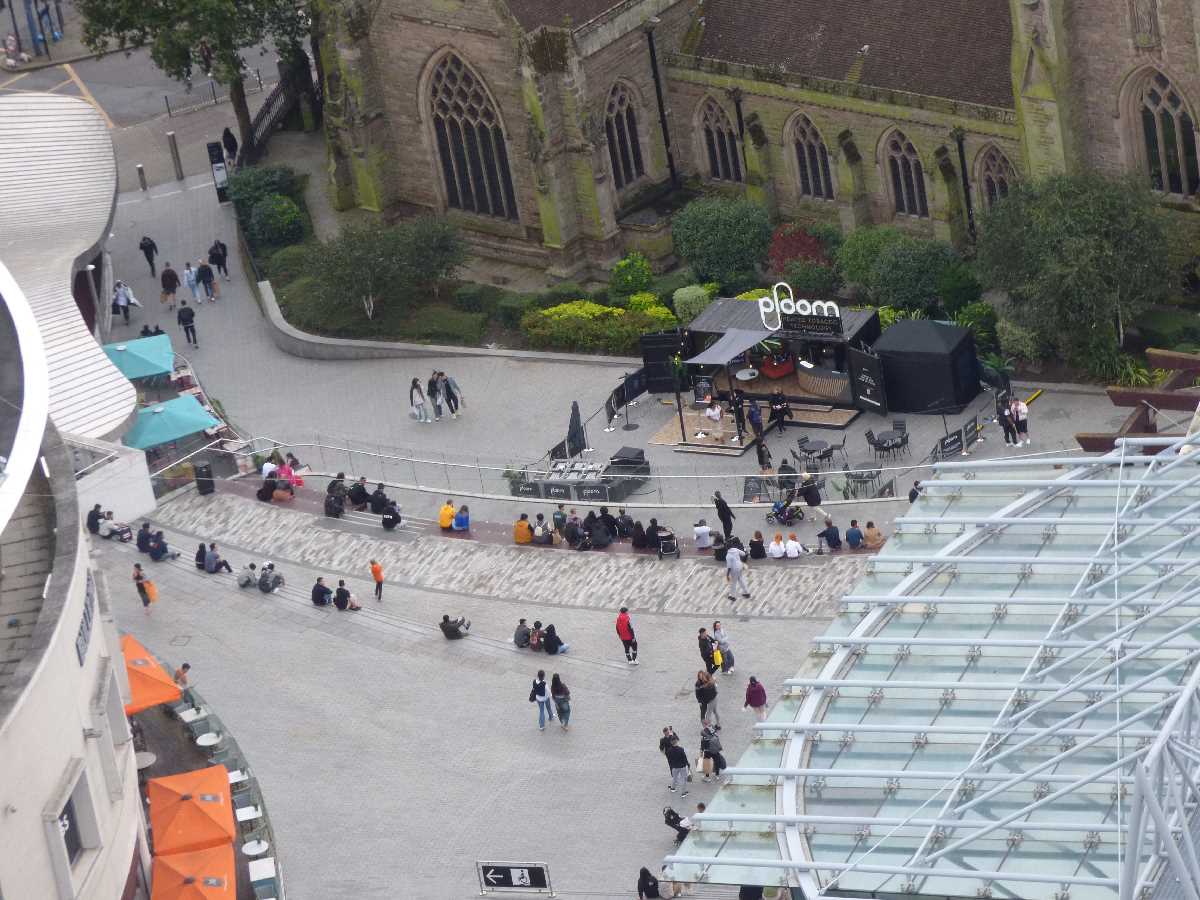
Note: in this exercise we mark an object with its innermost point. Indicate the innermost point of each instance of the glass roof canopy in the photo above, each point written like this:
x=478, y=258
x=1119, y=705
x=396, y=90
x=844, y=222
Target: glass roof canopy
x=1005, y=706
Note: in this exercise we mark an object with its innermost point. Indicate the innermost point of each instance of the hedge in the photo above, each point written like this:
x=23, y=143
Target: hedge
x=690, y=301
x=250, y=184
x=512, y=307
x=275, y=220
x=288, y=263
x=631, y=275
x=666, y=285
x=438, y=323
x=583, y=325
x=477, y=298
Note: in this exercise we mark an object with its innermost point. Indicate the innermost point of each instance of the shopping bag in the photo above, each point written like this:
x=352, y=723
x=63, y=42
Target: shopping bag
x=717, y=658
x=151, y=590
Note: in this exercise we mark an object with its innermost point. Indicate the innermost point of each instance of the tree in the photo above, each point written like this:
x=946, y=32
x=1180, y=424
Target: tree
x=858, y=252
x=907, y=274
x=433, y=251
x=721, y=239
x=185, y=34
x=364, y=264
x=1079, y=255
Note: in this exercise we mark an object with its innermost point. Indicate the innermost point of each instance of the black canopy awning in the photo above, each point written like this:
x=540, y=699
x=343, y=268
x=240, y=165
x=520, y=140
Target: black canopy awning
x=732, y=343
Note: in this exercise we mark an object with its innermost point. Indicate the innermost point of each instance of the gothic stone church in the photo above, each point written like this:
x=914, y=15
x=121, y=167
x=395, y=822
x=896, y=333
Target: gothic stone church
x=551, y=130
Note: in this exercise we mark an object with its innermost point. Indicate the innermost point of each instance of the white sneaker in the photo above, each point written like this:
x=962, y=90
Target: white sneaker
x=1027, y=443
x=635, y=662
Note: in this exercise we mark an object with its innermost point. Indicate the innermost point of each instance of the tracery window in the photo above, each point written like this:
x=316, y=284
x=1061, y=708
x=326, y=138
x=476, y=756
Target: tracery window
x=908, y=178
x=624, y=147
x=470, y=142
x=996, y=175
x=720, y=142
x=812, y=160
x=1169, y=137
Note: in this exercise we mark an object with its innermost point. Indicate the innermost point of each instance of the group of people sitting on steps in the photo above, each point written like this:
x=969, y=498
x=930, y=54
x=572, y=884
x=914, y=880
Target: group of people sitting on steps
x=102, y=523
x=360, y=499
x=595, y=531
x=538, y=638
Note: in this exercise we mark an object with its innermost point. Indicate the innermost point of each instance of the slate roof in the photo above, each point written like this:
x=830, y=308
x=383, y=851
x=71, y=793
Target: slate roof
x=955, y=49
x=535, y=13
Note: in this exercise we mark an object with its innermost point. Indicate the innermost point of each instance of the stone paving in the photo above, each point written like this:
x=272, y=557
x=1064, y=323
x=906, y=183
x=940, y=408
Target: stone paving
x=690, y=585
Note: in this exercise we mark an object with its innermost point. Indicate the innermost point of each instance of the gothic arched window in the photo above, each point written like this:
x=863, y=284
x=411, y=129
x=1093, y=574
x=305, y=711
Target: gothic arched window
x=908, y=178
x=996, y=175
x=812, y=160
x=624, y=147
x=1169, y=136
x=470, y=142
x=720, y=142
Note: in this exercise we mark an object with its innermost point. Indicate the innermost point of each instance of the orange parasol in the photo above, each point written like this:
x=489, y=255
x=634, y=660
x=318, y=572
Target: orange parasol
x=200, y=875
x=149, y=682
x=191, y=810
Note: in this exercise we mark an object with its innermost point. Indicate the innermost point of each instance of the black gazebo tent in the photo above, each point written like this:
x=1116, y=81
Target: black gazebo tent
x=928, y=366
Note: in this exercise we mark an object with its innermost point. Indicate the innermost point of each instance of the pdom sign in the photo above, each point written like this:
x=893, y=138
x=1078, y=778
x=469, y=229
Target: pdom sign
x=783, y=310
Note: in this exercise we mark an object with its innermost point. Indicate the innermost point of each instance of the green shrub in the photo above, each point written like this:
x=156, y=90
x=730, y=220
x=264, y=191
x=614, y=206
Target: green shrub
x=722, y=239
x=275, y=220
x=302, y=305
x=858, y=252
x=289, y=263
x=1133, y=373
x=811, y=280
x=631, y=276
x=511, y=307
x=1168, y=329
x=690, y=301
x=830, y=236
x=889, y=316
x=661, y=318
x=1020, y=341
x=712, y=289
x=642, y=301
x=957, y=287
x=906, y=274
x=441, y=323
x=754, y=294
x=577, y=325
x=666, y=285
x=980, y=319
x=477, y=298
x=250, y=184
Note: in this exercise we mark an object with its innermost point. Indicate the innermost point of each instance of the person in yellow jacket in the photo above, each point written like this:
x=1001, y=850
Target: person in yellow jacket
x=522, y=532
x=446, y=516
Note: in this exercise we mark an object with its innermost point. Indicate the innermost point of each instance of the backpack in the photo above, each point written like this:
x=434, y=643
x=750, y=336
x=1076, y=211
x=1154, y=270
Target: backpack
x=535, y=639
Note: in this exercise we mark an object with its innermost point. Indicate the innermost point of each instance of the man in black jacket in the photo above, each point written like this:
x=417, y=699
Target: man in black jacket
x=149, y=250
x=677, y=762
x=379, y=500
x=454, y=629
x=187, y=318
x=320, y=594
x=391, y=516
x=359, y=498
x=724, y=513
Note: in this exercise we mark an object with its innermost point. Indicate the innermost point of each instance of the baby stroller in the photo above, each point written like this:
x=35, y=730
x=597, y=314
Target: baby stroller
x=783, y=512
x=672, y=820
x=668, y=544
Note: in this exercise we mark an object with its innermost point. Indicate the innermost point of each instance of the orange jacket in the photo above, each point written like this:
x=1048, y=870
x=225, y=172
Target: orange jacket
x=377, y=572
x=446, y=516
x=522, y=533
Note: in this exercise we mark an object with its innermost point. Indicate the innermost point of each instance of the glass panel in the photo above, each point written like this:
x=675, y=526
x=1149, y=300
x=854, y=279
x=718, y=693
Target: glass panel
x=460, y=167
x=897, y=191
x=735, y=155
x=723, y=151
x=479, y=185
x=922, y=203
x=1150, y=133
x=489, y=168
x=815, y=167
x=714, y=169
x=510, y=200
x=1188, y=132
x=623, y=145
x=1171, y=152
x=443, y=144
x=910, y=189
x=1002, y=183
x=635, y=143
x=805, y=184
x=989, y=190
x=828, y=182
x=618, y=178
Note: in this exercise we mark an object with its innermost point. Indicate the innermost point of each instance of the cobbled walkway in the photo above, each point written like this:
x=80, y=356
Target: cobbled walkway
x=534, y=575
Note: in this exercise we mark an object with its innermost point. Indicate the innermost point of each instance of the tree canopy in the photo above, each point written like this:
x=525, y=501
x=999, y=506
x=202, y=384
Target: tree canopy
x=722, y=239
x=1079, y=255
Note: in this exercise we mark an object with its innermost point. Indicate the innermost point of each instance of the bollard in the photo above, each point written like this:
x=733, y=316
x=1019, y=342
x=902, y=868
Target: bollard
x=142, y=177
x=174, y=145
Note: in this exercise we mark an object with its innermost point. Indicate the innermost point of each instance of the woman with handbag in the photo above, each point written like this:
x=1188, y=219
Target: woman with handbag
x=706, y=696
x=540, y=694
x=561, y=695
x=724, y=648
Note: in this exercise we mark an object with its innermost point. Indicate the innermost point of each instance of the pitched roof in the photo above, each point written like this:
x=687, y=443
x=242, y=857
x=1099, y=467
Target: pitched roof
x=535, y=13
x=956, y=49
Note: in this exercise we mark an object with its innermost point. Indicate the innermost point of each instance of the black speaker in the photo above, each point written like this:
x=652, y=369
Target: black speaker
x=204, y=477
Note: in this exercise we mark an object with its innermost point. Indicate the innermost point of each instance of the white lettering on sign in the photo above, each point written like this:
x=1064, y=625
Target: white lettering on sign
x=779, y=306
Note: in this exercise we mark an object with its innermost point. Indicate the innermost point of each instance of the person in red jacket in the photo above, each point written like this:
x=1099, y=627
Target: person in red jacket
x=756, y=698
x=625, y=633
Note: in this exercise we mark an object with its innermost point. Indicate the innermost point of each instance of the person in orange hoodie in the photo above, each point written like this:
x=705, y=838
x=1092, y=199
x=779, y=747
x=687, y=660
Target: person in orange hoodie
x=446, y=516
x=377, y=574
x=522, y=532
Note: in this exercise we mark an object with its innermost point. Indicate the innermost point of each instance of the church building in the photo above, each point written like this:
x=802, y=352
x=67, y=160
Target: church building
x=557, y=132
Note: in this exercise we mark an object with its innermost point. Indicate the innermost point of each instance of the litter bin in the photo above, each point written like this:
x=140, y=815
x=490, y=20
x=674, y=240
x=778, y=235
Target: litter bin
x=204, y=477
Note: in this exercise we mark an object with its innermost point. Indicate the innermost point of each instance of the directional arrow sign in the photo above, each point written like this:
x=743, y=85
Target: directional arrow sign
x=514, y=877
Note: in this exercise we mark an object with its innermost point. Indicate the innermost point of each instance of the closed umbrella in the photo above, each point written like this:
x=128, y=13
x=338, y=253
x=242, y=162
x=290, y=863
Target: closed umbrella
x=191, y=810
x=149, y=683
x=144, y=357
x=206, y=874
x=169, y=421
x=576, y=441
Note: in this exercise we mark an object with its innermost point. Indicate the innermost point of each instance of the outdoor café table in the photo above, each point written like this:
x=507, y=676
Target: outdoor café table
x=262, y=869
x=890, y=437
x=237, y=776
x=815, y=446
x=208, y=740
x=746, y=374
x=255, y=848
x=188, y=716
x=246, y=813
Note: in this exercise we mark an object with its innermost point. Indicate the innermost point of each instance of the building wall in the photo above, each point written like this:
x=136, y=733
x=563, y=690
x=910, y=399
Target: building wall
x=121, y=484
x=66, y=736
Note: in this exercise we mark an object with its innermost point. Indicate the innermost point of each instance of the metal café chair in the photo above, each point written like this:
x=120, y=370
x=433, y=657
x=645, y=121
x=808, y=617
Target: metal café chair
x=900, y=426
x=841, y=449
x=825, y=456
x=874, y=443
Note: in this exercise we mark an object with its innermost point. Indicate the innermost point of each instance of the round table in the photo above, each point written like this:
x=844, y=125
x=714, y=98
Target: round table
x=145, y=759
x=812, y=448
x=890, y=437
x=255, y=848
x=211, y=739
x=746, y=374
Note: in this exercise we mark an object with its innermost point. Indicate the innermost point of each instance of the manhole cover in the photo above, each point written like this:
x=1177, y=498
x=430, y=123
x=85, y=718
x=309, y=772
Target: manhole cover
x=181, y=640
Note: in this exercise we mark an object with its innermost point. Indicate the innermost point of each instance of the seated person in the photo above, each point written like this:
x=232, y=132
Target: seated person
x=93, y=519
x=793, y=548
x=522, y=532
x=159, y=550
x=777, y=549
x=624, y=523
x=830, y=535
x=144, y=537
x=285, y=472
x=600, y=535
x=758, y=549
x=872, y=537
x=573, y=532
x=284, y=492
x=713, y=412
x=609, y=521
x=248, y=576
x=335, y=505
x=379, y=500
x=703, y=535
x=446, y=516
x=542, y=532
x=639, y=539
x=462, y=519
x=269, y=581
x=454, y=629
x=201, y=555
x=321, y=595
x=266, y=491
x=342, y=599
x=391, y=516
x=110, y=529
x=292, y=463
x=337, y=487
x=358, y=495
x=521, y=635
x=719, y=546
x=787, y=476
x=552, y=643
x=270, y=464
x=655, y=534
x=854, y=535
x=213, y=562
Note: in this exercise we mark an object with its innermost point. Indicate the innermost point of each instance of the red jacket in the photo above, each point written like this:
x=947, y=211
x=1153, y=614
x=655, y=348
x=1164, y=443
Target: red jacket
x=624, y=628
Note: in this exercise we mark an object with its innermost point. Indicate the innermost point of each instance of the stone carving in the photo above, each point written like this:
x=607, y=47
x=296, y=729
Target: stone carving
x=537, y=156
x=1144, y=15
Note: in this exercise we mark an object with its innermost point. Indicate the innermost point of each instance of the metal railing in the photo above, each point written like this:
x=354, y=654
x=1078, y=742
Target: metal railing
x=202, y=94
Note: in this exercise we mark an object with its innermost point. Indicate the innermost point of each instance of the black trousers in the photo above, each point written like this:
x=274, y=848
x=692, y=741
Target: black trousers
x=220, y=264
x=630, y=648
x=150, y=260
x=727, y=527
x=189, y=332
x=452, y=402
x=379, y=590
x=125, y=313
x=1010, y=430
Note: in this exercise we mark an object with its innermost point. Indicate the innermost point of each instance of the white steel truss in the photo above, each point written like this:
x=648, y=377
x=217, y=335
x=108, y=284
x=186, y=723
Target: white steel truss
x=1080, y=743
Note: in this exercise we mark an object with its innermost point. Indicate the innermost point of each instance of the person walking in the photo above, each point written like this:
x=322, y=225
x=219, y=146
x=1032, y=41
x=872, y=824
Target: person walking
x=170, y=284
x=668, y=736
x=143, y=585
x=764, y=457
x=377, y=576
x=677, y=762
x=625, y=633
x=721, y=636
x=754, y=415
x=1020, y=413
x=756, y=698
x=149, y=250
x=416, y=399
x=540, y=694
x=561, y=695
x=204, y=275
x=710, y=751
x=724, y=513
x=189, y=278
x=218, y=254
x=229, y=142
x=186, y=317
x=449, y=388
x=707, y=645
x=706, y=696
x=735, y=572
x=647, y=885
x=121, y=298
x=433, y=390
x=1008, y=424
